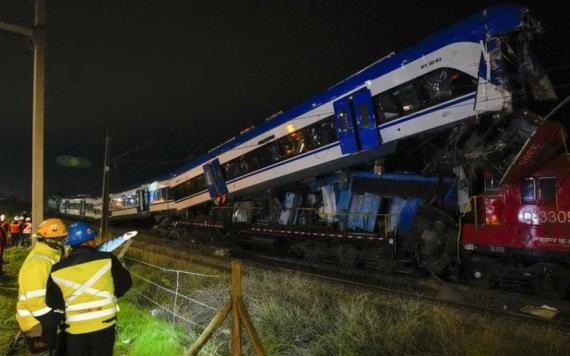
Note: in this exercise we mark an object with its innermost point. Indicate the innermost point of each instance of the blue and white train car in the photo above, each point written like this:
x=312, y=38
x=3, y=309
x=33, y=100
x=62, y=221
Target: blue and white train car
x=142, y=201
x=73, y=207
x=159, y=196
x=93, y=207
x=126, y=204
x=469, y=70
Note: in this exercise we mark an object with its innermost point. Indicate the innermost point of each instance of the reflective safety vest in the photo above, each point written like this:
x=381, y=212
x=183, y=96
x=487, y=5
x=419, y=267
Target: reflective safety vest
x=15, y=228
x=88, y=292
x=27, y=228
x=32, y=282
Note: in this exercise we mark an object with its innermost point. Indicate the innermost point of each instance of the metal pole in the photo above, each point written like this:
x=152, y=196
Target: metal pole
x=104, y=228
x=38, y=111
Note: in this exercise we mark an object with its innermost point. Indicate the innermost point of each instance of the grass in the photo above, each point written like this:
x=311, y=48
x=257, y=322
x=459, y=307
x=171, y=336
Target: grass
x=139, y=332
x=296, y=315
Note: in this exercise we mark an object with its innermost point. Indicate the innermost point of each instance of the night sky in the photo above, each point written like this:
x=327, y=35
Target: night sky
x=175, y=78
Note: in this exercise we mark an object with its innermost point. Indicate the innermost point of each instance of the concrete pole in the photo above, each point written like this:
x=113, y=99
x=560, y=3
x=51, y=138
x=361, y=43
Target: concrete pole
x=38, y=37
x=38, y=111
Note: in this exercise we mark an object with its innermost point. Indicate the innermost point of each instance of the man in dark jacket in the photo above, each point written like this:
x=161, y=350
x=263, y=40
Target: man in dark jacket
x=86, y=285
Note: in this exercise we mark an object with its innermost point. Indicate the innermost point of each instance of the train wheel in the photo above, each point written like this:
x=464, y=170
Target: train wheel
x=481, y=274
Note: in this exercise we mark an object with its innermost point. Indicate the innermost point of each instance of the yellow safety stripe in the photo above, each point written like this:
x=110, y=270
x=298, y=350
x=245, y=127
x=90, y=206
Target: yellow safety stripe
x=90, y=305
x=32, y=294
x=90, y=282
x=74, y=285
x=44, y=257
x=40, y=312
x=84, y=310
x=92, y=315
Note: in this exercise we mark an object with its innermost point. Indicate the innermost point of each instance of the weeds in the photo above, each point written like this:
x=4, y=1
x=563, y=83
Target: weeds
x=296, y=315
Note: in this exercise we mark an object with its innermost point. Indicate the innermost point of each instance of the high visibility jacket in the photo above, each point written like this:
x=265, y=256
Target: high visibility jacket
x=27, y=228
x=32, y=281
x=87, y=284
x=15, y=228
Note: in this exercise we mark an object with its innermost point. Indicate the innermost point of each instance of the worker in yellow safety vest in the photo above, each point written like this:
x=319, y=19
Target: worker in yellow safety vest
x=35, y=318
x=86, y=285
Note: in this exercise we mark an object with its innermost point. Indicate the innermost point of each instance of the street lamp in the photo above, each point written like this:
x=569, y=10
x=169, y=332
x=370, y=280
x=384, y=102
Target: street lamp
x=38, y=38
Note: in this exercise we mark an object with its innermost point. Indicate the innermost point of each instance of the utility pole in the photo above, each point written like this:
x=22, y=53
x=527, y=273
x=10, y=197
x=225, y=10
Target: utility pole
x=37, y=36
x=104, y=228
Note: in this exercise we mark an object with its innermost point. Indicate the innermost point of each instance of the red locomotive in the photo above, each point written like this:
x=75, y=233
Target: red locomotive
x=519, y=232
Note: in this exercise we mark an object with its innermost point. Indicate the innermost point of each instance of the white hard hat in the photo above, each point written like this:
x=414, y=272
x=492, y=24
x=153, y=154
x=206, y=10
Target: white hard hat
x=2, y=217
x=16, y=217
x=20, y=218
x=28, y=219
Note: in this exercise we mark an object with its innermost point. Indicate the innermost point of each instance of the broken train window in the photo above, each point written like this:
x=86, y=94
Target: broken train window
x=428, y=90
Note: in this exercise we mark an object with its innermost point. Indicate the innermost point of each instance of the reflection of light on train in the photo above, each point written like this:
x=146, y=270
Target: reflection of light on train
x=452, y=109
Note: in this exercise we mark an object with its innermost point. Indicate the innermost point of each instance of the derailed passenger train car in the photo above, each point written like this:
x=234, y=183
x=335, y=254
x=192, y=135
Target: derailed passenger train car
x=455, y=75
x=447, y=109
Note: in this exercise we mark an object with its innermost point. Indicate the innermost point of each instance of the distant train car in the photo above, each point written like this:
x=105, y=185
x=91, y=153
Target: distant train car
x=126, y=204
x=93, y=208
x=143, y=201
x=54, y=203
x=74, y=207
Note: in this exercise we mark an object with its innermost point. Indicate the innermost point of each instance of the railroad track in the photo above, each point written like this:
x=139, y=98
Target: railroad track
x=497, y=303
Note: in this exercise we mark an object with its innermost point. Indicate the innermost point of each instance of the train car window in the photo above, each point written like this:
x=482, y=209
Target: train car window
x=547, y=189
x=165, y=193
x=294, y=144
x=304, y=140
x=366, y=121
x=387, y=107
x=528, y=190
x=412, y=97
x=430, y=89
x=491, y=184
x=189, y=187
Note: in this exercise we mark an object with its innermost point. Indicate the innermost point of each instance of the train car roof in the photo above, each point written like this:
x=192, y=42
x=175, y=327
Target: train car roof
x=494, y=20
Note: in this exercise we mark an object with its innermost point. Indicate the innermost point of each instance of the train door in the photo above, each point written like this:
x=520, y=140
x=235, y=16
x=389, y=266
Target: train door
x=365, y=119
x=356, y=123
x=143, y=200
x=82, y=208
x=214, y=178
x=344, y=121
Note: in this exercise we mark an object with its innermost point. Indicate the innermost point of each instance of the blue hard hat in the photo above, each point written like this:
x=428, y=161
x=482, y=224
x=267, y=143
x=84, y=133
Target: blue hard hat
x=79, y=232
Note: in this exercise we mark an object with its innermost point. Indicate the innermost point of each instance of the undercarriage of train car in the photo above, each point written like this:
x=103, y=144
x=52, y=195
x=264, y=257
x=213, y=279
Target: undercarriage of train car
x=380, y=216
